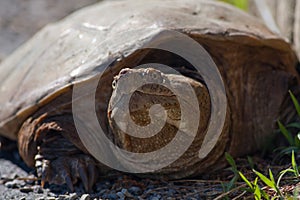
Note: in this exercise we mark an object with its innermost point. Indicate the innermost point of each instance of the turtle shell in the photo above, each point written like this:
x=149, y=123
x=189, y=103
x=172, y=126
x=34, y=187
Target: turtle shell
x=79, y=47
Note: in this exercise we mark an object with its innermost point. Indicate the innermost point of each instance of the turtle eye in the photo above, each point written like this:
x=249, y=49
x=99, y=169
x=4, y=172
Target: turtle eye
x=114, y=84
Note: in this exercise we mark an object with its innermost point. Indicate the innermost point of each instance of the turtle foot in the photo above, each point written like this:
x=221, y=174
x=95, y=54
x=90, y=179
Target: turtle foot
x=67, y=170
x=52, y=146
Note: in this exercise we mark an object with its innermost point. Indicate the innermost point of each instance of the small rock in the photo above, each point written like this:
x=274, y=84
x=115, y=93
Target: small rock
x=85, y=197
x=171, y=192
x=110, y=196
x=126, y=193
x=121, y=195
x=52, y=194
x=14, y=184
x=63, y=197
x=22, y=198
x=10, y=184
x=73, y=196
x=51, y=198
x=37, y=189
x=135, y=190
x=104, y=191
x=154, y=198
x=26, y=189
x=150, y=186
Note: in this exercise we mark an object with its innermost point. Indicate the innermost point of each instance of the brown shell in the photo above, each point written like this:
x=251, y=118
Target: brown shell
x=77, y=47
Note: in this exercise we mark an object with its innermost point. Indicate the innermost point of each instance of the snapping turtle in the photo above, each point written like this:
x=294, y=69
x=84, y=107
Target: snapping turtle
x=38, y=82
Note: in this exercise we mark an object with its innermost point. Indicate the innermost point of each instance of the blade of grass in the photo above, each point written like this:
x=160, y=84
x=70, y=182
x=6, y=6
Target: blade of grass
x=257, y=190
x=296, y=103
x=293, y=125
x=231, y=161
x=288, y=150
x=286, y=133
x=271, y=176
x=282, y=173
x=265, y=195
x=297, y=140
x=246, y=181
x=242, y=4
x=257, y=193
x=231, y=184
x=294, y=164
x=266, y=180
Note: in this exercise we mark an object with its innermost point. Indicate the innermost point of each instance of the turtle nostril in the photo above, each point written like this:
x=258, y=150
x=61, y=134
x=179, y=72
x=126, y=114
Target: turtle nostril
x=114, y=84
x=154, y=76
x=124, y=71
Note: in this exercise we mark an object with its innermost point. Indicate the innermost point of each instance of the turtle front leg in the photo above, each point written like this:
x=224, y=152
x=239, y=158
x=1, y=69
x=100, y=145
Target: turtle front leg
x=52, y=146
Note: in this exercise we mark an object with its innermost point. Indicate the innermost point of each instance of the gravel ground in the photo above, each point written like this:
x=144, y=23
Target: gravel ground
x=18, y=182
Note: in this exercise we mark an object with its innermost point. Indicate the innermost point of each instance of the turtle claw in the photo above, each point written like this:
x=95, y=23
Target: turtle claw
x=67, y=170
x=84, y=177
x=69, y=183
x=92, y=174
x=43, y=172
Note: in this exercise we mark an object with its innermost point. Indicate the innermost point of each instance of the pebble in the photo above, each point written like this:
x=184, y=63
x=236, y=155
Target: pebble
x=51, y=198
x=110, y=196
x=9, y=176
x=73, y=196
x=26, y=189
x=154, y=198
x=51, y=195
x=135, y=190
x=37, y=189
x=31, y=179
x=10, y=184
x=14, y=184
x=121, y=195
x=171, y=192
x=105, y=191
x=126, y=193
x=85, y=197
x=63, y=197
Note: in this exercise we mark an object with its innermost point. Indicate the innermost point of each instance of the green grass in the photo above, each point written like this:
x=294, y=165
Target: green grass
x=291, y=132
x=241, y=4
x=261, y=181
x=231, y=184
x=257, y=187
